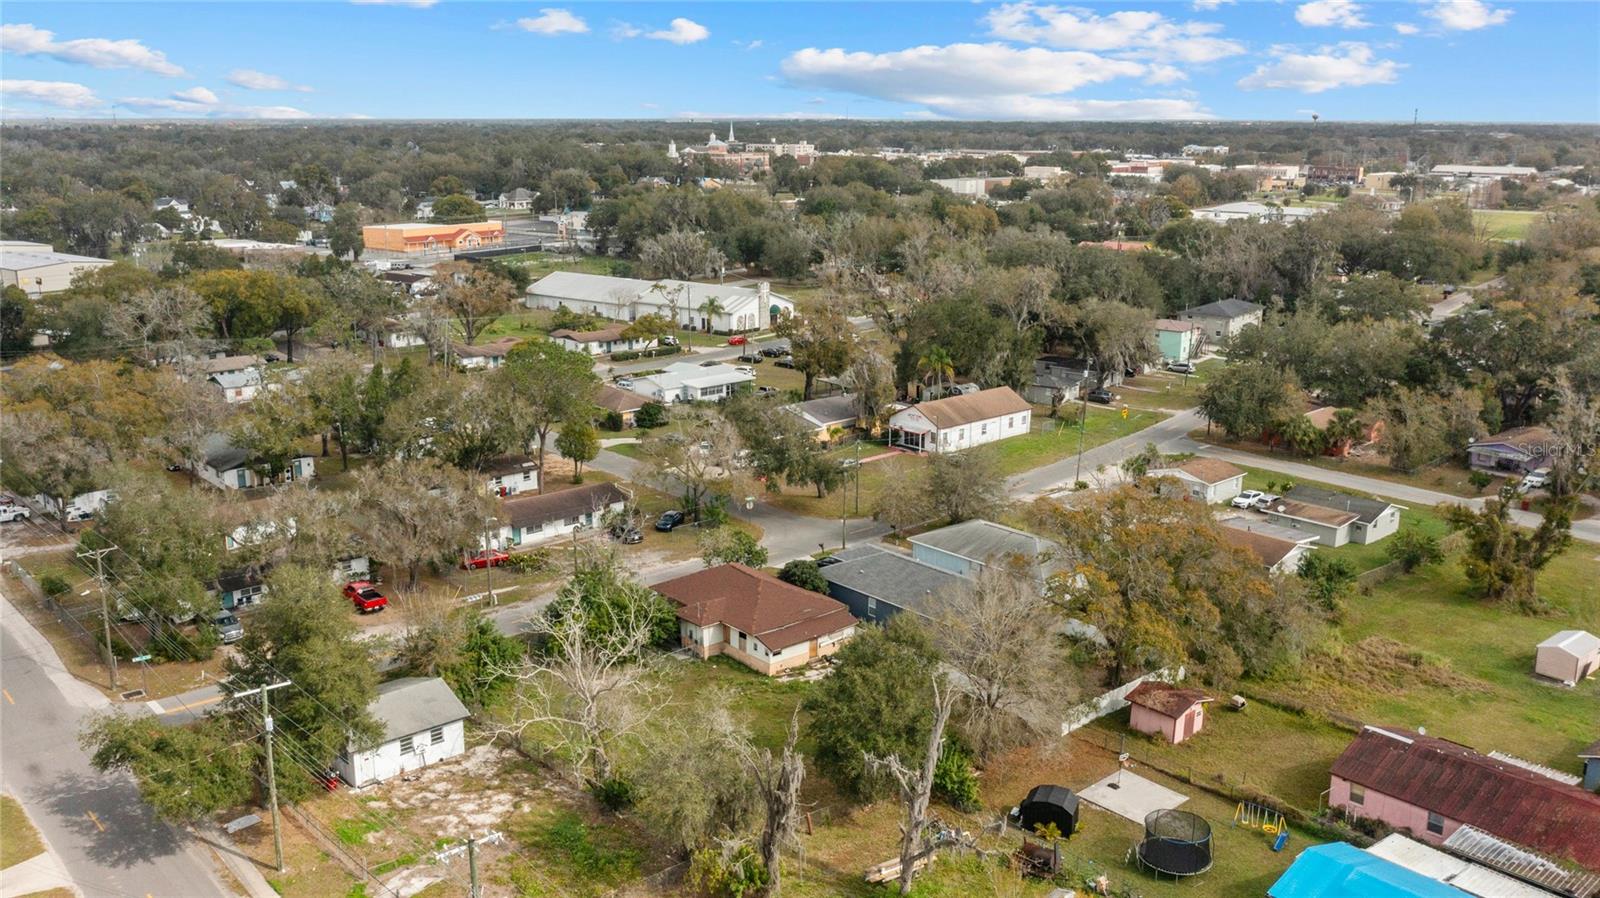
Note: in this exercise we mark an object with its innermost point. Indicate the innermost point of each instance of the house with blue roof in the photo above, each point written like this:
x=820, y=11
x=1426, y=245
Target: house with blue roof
x=1341, y=870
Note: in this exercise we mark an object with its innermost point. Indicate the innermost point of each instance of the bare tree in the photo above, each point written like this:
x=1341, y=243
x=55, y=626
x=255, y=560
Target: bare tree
x=475, y=295
x=700, y=460
x=778, y=778
x=592, y=686
x=415, y=510
x=999, y=635
x=164, y=321
x=436, y=629
x=916, y=787
x=1576, y=431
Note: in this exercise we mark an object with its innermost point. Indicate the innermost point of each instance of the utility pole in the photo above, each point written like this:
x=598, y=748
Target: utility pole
x=1083, y=419
x=272, y=780
x=99, y=556
x=472, y=866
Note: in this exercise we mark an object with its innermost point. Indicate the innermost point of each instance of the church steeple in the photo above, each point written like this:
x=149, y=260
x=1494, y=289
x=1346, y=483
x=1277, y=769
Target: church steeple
x=730, y=132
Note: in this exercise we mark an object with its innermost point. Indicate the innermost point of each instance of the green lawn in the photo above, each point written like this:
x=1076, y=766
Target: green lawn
x=20, y=840
x=1504, y=224
x=1165, y=390
x=1446, y=477
x=1052, y=440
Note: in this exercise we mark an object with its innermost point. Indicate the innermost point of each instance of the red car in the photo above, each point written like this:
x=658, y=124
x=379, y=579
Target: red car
x=482, y=560
x=365, y=596
x=738, y=340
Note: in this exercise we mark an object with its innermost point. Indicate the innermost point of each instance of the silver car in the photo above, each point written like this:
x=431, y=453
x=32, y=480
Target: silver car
x=228, y=627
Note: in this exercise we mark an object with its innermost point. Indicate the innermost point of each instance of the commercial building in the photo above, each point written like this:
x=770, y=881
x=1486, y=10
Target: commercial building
x=716, y=307
x=422, y=238
x=37, y=269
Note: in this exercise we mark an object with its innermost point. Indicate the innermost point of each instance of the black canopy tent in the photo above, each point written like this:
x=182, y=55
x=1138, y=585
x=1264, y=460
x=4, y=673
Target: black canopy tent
x=1049, y=804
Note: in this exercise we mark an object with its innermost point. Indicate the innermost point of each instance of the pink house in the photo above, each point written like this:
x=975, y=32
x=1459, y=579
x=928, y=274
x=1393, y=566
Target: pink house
x=1431, y=787
x=1167, y=711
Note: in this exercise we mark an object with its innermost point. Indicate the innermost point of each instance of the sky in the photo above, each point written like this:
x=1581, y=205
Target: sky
x=1449, y=60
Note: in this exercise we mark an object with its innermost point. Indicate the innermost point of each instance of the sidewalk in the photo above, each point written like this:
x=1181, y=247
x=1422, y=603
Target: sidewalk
x=40, y=873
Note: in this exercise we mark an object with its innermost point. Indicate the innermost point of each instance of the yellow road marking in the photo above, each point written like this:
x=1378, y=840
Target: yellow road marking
x=95, y=820
x=9, y=699
x=189, y=705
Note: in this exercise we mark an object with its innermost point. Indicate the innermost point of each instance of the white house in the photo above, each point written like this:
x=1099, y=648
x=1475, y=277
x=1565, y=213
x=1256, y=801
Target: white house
x=739, y=309
x=1224, y=318
x=1211, y=480
x=1570, y=656
x=604, y=341
x=228, y=467
x=76, y=508
x=510, y=474
x=520, y=198
x=237, y=386
x=961, y=422
x=486, y=355
x=688, y=382
x=536, y=518
x=423, y=723
x=1335, y=518
x=1256, y=211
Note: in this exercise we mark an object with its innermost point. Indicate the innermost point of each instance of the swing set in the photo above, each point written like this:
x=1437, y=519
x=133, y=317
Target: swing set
x=1254, y=816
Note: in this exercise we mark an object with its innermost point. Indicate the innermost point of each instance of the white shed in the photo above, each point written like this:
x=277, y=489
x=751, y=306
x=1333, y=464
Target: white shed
x=423, y=723
x=1570, y=656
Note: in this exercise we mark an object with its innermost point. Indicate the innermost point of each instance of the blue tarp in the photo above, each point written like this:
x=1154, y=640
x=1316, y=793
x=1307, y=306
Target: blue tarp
x=1341, y=870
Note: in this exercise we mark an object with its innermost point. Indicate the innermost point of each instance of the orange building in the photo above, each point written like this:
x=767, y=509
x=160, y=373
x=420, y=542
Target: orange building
x=424, y=237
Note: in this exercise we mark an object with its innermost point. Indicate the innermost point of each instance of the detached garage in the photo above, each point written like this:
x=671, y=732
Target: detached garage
x=1570, y=656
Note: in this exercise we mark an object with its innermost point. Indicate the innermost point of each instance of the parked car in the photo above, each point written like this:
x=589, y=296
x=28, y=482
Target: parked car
x=710, y=363
x=630, y=536
x=785, y=362
x=669, y=520
x=1265, y=500
x=365, y=596
x=752, y=358
x=10, y=513
x=766, y=391
x=624, y=383
x=1102, y=396
x=746, y=369
x=773, y=350
x=829, y=559
x=1181, y=367
x=481, y=560
x=1534, y=480
x=668, y=340
x=228, y=627
x=1246, y=499
x=738, y=340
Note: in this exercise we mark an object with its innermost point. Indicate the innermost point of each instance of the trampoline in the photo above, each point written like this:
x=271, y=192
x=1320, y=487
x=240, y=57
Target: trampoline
x=1176, y=843
x=1049, y=804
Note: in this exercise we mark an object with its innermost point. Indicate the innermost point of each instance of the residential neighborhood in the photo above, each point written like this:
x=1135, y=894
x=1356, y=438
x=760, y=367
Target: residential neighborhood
x=720, y=451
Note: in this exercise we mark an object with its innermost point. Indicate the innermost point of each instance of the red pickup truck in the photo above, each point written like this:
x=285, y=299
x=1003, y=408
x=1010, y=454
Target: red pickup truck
x=365, y=596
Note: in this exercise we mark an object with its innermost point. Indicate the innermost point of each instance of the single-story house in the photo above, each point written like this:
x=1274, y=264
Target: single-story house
x=412, y=283
x=961, y=422
x=423, y=723
x=1059, y=379
x=760, y=621
x=1570, y=656
x=1280, y=549
x=876, y=583
x=1336, y=518
x=1430, y=787
x=487, y=355
x=826, y=416
x=1177, y=341
x=1224, y=318
x=604, y=341
x=740, y=309
x=226, y=364
x=399, y=334
x=1171, y=712
x=689, y=382
x=1341, y=870
x=1211, y=480
x=230, y=467
x=625, y=403
x=507, y=475
x=237, y=386
x=78, y=507
x=966, y=548
x=1248, y=210
x=1371, y=431
x=537, y=518
x=1514, y=451
x=520, y=198
x=239, y=588
x=1459, y=872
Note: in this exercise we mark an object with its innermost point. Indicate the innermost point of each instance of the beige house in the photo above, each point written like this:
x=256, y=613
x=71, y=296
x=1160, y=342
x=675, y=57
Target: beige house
x=1211, y=480
x=760, y=621
x=961, y=422
x=1570, y=656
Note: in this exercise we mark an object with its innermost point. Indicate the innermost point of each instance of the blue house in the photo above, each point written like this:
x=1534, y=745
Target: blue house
x=1341, y=870
x=878, y=583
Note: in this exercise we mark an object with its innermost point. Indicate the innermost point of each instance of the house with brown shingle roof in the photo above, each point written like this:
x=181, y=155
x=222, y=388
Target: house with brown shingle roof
x=625, y=403
x=1210, y=480
x=596, y=342
x=1431, y=787
x=961, y=422
x=762, y=622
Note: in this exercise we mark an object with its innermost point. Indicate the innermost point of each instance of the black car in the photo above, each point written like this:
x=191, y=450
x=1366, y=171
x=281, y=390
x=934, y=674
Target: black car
x=785, y=362
x=773, y=350
x=669, y=520
x=829, y=560
x=710, y=363
x=1102, y=396
x=752, y=358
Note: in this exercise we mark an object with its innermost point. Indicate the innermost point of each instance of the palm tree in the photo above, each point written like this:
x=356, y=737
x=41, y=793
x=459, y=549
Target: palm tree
x=1301, y=436
x=936, y=364
x=711, y=308
x=1345, y=430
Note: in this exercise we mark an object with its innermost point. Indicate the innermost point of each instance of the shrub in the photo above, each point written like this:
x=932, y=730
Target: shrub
x=1480, y=480
x=954, y=779
x=1328, y=579
x=54, y=585
x=804, y=573
x=529, y=562
x=626, y=355
x=651, y=414
x=1412, y=549
x=612, y=421
x=730, y=873
x=615, y=794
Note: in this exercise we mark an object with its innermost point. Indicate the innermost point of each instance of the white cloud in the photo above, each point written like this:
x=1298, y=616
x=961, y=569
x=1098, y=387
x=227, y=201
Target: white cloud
x=199, y=95
x=749, y=45
x=554, y=21
x=681, y=31
x=1344, y=65
x=1140, y=33
x=622, y=31
x=250, y=79
x=695, y=115
x=983, y=80
x=1207, y=5
x=1160, y=73
x=64, y=94
x=99, y=52
x=1330, y=13
x=203, y=102
x=1466, y=15
x=1406, y=28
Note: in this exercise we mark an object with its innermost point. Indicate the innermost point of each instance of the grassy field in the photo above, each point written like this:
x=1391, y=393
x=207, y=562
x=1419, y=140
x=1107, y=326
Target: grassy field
x=1165, y=390
x=20, y=840
x=1504, y=224
x=1446, y=477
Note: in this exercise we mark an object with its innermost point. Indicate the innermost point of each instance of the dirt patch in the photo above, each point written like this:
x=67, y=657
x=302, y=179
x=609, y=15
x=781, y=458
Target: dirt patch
x=472, y=793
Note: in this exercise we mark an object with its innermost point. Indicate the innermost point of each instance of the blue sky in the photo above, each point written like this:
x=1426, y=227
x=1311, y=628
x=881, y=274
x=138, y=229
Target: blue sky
x=1455, y=60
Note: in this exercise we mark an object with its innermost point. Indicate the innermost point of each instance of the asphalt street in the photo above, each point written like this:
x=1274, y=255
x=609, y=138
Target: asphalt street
x=104, y=834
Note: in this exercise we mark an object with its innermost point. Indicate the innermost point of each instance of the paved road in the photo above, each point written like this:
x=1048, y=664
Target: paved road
x=105, y=835
x=1060, y=475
